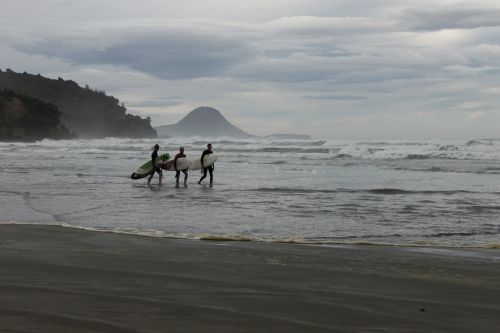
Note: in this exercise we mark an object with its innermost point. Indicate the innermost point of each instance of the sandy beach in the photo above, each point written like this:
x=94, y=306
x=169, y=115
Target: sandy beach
x=56, y=279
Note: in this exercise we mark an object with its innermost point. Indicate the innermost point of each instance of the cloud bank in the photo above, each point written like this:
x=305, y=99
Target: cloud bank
x=324, y=60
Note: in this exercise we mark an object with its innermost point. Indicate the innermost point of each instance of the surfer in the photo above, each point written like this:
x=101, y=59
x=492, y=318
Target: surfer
x=157, y=169
x=178, y=172
x=210, y=168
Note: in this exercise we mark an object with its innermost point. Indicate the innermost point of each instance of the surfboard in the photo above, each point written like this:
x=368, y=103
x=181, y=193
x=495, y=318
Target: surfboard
x=147, y=168
x=182, y=164
x=208, y=160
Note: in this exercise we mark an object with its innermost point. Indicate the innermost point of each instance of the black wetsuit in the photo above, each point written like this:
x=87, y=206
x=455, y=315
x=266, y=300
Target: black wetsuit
x=210, y=169
x=178, y=172
x=154, y=158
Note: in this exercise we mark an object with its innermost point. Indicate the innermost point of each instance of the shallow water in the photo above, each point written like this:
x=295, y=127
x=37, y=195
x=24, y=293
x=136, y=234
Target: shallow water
x=396, y=192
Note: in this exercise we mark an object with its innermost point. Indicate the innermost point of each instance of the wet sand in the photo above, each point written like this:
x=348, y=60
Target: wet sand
x=55, y=279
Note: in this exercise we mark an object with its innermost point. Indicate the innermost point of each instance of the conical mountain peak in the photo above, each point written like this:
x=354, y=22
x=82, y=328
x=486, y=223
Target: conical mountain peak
x=203, y=121
x=203, y=114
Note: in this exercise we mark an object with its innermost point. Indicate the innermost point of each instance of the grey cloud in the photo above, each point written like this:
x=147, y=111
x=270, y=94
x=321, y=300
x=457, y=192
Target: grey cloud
x=279, y=51
x=360, y=58
x=485, y=55
x=164, y=55
x=450, y=18
x=158, y=102
x=316, y=26
x=317, y=50
x=357, y=68
x=334, y=97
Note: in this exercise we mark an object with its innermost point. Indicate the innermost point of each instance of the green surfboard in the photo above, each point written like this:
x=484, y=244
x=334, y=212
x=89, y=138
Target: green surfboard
x=147, y=168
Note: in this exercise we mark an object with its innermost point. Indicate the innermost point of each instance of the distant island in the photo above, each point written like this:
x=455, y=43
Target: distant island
x=205, y=122
x=24, y=118
x=85, y=112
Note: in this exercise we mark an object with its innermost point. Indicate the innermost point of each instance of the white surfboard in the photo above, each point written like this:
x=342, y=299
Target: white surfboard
x=208, y=160
x=182, y=164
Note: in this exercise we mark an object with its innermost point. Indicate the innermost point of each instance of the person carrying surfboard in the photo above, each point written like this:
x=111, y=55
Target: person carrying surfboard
x=178, y=172
x=210, y=168
x=157, y=169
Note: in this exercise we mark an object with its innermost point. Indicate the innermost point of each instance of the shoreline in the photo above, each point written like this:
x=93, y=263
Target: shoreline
x=57, y=279
x=245, y=238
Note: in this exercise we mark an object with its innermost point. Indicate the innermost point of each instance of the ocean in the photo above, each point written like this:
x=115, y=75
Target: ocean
x=427, y=193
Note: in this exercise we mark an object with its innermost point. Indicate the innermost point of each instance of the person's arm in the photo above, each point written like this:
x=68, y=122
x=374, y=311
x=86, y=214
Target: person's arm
x=153, y=159
x=202, y=156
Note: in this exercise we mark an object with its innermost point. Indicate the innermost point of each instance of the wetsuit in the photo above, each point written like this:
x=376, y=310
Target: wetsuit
x=154, y=158
x=210, y=169
x=178, y=172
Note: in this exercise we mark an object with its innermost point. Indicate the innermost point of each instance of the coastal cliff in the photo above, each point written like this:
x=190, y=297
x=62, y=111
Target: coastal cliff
x=88, y=113
x=24, y=118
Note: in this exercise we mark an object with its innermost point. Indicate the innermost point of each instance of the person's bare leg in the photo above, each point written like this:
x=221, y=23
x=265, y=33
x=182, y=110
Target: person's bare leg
x=149, y=179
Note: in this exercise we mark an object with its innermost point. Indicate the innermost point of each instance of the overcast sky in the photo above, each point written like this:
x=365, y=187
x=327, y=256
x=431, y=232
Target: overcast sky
x=341, y=69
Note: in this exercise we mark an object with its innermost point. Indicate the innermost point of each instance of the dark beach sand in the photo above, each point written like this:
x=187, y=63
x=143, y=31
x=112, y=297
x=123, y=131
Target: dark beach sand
x=55, y=279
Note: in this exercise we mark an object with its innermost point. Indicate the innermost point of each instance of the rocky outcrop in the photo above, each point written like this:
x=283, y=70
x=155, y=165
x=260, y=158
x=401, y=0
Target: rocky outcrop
x=24, y=118
x=87, y=112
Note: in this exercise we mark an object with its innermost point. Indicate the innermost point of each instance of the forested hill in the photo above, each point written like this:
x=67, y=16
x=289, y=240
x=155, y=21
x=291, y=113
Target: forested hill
x=88, y=113
x=24, y=118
